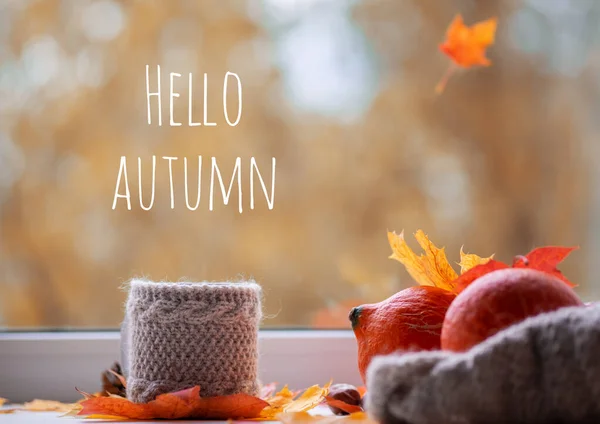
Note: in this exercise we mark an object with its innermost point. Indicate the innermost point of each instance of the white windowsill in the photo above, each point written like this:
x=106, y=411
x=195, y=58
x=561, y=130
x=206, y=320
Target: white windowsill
x=51, y=365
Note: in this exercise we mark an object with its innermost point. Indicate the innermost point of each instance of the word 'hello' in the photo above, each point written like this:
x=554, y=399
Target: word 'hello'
x=173, y=95
x=215, y=175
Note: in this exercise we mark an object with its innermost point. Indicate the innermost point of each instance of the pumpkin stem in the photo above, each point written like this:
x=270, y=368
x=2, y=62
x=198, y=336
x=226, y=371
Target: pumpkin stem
x=520, y=258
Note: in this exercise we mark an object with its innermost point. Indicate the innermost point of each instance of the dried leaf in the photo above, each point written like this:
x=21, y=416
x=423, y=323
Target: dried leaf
x=8, y=411
x=470, y=260
x=281, y=398
x=113, y=381
x=429, y=269
x=283, y=401
x=106, y=417
x=341, y=405
x=311, y=397
x=73, y=412
x=39, y=405
x=546, y=259
x=474, y=273
x=3, y=401
x=277, y=402
x=183, y=404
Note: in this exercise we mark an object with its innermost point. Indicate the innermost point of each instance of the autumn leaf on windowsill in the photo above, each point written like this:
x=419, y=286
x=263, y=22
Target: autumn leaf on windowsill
x=38, y=405
x=113, y=381
x=188, y=404
x=5, y=411
x=286, y=401
x=177, y=405
x=466, y=46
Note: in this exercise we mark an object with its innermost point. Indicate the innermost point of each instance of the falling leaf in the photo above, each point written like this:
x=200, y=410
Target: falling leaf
x=470, y=260
x=39, y=405
x=429, y=269
x=341, y=405
x=474, y=273
x=546, y=259
x=466, y=46
x=182, y=404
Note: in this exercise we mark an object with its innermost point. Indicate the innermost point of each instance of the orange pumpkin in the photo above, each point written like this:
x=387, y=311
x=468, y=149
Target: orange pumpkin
x=500, y=299
x=410, y=320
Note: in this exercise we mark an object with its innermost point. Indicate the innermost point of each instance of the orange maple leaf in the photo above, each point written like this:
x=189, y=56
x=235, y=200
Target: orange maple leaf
x=546, y=259
x=466, y=46
x=183, y=404
x=543, y=259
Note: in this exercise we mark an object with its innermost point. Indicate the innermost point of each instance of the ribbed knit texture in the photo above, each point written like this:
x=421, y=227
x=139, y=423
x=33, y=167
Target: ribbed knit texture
x=545, y=370
x=180, y=335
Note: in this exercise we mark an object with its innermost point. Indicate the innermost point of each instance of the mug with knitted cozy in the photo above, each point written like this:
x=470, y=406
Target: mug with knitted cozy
x=179, y=335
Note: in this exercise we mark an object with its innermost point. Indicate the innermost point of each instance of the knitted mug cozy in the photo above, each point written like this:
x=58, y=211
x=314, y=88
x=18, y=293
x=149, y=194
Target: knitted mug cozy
x=180, y=335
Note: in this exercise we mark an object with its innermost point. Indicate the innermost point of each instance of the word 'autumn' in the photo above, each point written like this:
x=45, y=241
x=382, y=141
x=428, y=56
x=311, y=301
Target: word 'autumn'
x=215, y=176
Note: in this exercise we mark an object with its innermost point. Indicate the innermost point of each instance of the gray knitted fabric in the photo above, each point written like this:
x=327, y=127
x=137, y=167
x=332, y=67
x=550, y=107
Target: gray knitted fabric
x=180, y=335
x=543, y=370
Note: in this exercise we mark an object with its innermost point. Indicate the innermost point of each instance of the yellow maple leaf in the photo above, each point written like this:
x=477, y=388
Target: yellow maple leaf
x=311, y=397
x=428, y=269
x=470, y=260
x=40, y=405
x=277, y=402
x=283, y=401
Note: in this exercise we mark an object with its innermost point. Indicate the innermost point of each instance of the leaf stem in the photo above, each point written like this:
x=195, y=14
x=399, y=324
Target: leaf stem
x=441, y=85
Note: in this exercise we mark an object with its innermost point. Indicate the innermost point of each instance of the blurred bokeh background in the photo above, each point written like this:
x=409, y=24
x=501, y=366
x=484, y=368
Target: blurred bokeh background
x=342, y=93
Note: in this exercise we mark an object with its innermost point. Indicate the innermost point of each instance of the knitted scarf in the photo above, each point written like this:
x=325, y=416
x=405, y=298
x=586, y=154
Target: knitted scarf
x=543, y=370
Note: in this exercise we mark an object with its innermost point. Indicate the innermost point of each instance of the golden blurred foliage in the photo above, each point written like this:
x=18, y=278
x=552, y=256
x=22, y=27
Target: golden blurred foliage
x=341, y=93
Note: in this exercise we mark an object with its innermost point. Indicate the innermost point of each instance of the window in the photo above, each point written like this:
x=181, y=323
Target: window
x=339, y=93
